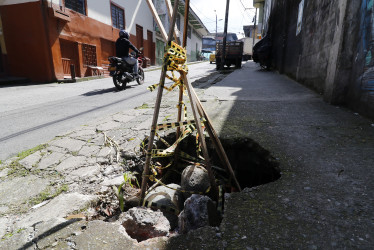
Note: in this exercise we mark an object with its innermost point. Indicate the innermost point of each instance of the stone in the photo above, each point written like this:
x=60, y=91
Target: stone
x=170, y=198
x=199, y=211
x=194, y=179
x=142, y=223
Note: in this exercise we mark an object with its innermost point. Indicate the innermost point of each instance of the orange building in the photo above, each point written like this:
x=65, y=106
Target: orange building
x=41, y=39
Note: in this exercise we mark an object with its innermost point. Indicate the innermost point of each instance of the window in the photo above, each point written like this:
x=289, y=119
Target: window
x=189, y=31
x=178, y=21
x=76, y=5
x=118, y=17
x=89, y=55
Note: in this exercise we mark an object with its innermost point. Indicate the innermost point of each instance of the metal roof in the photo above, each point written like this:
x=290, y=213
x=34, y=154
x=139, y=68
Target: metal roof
x=193, y=19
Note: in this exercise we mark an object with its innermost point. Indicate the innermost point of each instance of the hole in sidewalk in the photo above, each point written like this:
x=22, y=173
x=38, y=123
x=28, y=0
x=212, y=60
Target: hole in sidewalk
x=252, y=164
x=173, y=203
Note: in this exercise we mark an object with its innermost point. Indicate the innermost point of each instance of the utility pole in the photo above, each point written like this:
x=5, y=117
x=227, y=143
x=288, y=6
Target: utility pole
x=225, y=35
x=216, y=25
x=254, y=30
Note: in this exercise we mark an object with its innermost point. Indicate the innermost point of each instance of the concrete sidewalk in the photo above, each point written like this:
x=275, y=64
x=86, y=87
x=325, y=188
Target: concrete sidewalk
x=325, y=196
x=323, y=199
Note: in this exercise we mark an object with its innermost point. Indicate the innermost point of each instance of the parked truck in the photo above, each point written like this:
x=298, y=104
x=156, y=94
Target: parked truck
x=234, y=54
x=248, y=47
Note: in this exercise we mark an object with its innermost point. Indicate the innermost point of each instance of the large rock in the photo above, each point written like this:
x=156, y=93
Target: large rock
x=194, y=179
x=199, y=211
x=168, y=200
x=142, y=223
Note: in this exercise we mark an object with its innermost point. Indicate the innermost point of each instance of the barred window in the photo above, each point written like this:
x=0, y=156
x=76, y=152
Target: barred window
x=89, y=55
x=189, y=31
x=118, y=17
x=76, y=5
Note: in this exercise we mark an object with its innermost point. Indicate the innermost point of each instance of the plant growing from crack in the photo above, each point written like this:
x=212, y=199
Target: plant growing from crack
x=129, y=178
x=28, y=152
x=48, y=194
x=144, y=106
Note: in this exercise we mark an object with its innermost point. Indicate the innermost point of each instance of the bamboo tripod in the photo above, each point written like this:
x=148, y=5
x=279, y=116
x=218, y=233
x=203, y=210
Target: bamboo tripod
x=197, y=110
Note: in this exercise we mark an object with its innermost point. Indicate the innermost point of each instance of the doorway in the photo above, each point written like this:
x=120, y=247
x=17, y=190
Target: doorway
x=69, y=55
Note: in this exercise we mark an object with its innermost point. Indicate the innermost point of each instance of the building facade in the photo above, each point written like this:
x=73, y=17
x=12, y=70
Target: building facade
x=195, y=31
x=41, y=39
x=327, y=46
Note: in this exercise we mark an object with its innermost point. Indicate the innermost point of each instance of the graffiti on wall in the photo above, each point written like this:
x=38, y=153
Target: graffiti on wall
x=300, y=17
x=367, y=31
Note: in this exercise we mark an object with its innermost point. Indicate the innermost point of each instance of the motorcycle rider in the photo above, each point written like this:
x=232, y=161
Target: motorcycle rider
x=123, y=46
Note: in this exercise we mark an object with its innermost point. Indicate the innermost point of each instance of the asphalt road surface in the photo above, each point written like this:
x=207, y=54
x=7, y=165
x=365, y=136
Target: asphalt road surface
x=34, y=114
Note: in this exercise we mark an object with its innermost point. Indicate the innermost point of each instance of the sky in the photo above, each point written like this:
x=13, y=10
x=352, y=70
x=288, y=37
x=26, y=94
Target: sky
x=240, y=14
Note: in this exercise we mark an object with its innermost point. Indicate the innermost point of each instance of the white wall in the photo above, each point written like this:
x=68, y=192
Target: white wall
x=136, y=12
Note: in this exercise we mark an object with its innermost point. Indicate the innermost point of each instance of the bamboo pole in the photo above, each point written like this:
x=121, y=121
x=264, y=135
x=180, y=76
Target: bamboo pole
x=217, y=143
x=193, y=99
x=156, y=113
x=170, y=12
x=180, y=100
x=158, y=21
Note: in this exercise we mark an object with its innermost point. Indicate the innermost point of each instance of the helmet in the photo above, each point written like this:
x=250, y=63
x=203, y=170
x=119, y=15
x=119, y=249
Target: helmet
x=124, y=33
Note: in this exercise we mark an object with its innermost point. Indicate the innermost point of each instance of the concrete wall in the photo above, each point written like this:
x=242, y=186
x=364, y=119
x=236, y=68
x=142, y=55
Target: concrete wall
x=360, y=91
x=333, y=52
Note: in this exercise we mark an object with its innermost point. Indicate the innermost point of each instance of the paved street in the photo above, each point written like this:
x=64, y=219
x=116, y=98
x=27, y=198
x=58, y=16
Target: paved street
x=34, y=114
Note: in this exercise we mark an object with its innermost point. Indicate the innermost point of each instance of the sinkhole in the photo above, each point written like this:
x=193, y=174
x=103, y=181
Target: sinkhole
x=252, y=164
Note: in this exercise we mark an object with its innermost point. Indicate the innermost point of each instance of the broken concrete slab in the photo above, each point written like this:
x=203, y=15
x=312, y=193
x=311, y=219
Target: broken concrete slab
x=143, y=223
x=20, y=189
x=71, y=163
x=30, y=161
x=71, y=145
x=85, y=172
x=3, y=226
x=110, y=236
x=88, y=151
x=108, y=126
x=56, y=231
x=51, y=160
x=61, y=206
x=116, y=181
x=19, y=239
x=4, y=172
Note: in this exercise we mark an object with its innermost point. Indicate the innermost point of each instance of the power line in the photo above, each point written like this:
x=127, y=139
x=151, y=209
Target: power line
x=196, y=9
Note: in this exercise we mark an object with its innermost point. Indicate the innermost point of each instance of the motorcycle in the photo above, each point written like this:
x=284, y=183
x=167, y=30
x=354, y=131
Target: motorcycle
x=122, y=70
